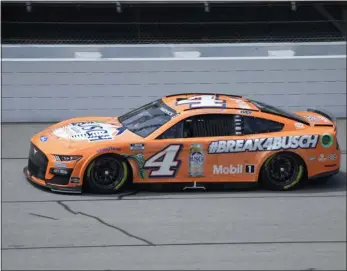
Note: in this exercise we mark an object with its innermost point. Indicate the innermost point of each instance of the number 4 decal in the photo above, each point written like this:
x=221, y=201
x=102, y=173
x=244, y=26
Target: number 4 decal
x=203, y=101
x=164, y=163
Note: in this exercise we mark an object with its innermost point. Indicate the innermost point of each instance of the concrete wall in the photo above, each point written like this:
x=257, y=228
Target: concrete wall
x=141, y=51
x=55, y=89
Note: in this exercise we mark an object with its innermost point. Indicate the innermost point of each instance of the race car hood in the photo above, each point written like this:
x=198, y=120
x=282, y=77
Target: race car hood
x=74, y=135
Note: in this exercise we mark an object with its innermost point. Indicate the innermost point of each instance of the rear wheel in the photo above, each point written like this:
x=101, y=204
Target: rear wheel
x=107, y=174
x=283, y=171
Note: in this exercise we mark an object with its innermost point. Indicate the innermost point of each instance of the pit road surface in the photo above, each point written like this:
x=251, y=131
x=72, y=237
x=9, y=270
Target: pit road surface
x=256, y=229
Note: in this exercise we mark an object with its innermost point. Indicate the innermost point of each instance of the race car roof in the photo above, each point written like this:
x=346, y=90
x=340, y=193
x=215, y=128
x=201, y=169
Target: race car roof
x=184, y=101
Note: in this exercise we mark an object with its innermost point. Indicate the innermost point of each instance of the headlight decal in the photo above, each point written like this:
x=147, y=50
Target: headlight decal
x=66, y=158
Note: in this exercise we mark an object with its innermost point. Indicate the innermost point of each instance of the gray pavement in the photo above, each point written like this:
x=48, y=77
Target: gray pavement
x=248, y=230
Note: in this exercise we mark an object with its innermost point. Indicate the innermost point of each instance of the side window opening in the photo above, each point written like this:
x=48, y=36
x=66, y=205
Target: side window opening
x=212, y=125
x=208, y=125
x=175, y=131
x=253, y=125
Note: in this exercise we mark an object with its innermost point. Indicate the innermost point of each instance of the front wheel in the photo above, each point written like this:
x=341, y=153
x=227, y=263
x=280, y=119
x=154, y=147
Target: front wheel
x=107, y=174
x=283, y=171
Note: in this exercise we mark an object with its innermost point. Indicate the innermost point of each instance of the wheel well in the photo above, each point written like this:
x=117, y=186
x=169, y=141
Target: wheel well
x=108, y=154
x=289, y=152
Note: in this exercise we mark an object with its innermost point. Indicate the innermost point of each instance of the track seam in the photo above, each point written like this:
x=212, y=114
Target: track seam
x=68, y=209
x=43, y=216
x=152, y=197
x=185, y=244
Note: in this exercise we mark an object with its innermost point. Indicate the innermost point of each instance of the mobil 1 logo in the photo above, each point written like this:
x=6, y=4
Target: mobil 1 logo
x=233, y=169
x=263, y=144
x=250, y=169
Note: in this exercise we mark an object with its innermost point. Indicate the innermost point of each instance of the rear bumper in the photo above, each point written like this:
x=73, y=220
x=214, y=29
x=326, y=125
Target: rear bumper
x=53, y=187
x=326, y=174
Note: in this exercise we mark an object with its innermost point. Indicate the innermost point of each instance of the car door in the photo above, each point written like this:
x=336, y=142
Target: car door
x=211, y=132
x=210, y=147
x=165, y=157
x=187, y=152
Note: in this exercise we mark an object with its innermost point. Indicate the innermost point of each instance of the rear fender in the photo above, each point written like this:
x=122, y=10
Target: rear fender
x=266, y=158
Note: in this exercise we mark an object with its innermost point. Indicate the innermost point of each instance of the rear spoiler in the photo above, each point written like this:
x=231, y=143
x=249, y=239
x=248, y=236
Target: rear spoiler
x=324, y=113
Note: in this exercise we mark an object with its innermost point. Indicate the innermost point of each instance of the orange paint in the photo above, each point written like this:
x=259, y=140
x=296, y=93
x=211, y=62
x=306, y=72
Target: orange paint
x=229, y=165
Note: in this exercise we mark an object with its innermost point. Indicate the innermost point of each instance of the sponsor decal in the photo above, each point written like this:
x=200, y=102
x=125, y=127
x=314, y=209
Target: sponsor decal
x=139, y=158
x=250, y=169
x=332, y=157
x=326, y=140
x=34, y=151
x=89, y=130
x=246, y=112
x=59, y=171
x=263, y=144
x=43, y=138
x=231, y=169
x=238, y=125
x=196, y=160
x=322, y=158
x=162, y=164
x=60, y=165
x=316, y=118
x=108, y=149
x=167, y=111
x=75, y=180
x=137, y=147
x=311, y=118
x=312, y=158
x=299, y=125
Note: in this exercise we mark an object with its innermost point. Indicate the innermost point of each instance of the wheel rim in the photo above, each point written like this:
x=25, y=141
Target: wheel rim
x=283, y=170
x=106, y=172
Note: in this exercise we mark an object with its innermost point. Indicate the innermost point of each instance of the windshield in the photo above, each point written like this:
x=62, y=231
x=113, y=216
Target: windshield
x=145, y=120
x=278, y=111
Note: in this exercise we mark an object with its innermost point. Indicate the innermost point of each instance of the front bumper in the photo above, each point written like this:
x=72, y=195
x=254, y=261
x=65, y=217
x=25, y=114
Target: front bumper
x=38, y=171
x=52, y=187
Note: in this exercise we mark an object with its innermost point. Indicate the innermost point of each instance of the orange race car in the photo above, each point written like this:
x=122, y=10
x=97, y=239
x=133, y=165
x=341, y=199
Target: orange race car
x=186, y=138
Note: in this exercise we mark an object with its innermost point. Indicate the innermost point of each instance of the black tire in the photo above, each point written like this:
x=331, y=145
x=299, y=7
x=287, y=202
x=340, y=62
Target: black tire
x=107, y=174
x=283, y=171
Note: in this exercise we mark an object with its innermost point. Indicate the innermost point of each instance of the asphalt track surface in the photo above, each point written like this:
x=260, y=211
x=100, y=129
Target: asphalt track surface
x=242, y=229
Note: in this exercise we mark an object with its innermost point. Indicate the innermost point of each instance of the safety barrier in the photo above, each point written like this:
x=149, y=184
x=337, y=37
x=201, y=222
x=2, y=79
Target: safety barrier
x=52, y=89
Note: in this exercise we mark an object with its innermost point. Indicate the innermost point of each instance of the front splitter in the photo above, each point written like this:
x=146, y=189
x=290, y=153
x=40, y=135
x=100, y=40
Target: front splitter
x=53, y=188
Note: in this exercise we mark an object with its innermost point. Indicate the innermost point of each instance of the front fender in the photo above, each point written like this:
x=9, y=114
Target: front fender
x=82, y=165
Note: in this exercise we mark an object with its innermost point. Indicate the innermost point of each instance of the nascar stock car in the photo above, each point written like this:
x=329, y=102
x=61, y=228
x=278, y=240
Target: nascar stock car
x=186, y=138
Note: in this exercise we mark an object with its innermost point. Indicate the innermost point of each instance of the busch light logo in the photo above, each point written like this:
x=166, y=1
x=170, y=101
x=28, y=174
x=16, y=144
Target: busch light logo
x=91, y=131
x=197, y=158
